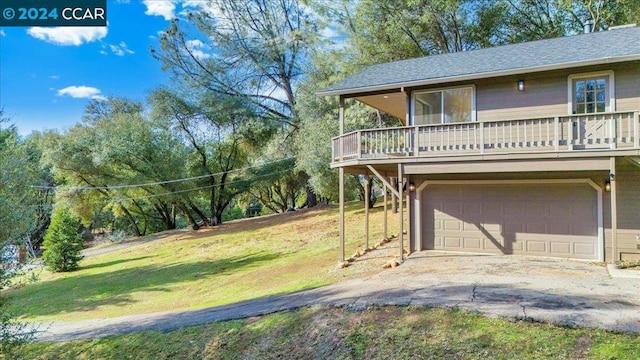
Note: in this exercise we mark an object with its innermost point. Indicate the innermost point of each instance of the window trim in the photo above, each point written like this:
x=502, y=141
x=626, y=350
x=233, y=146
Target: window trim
x=440, y=89
x=610, y=107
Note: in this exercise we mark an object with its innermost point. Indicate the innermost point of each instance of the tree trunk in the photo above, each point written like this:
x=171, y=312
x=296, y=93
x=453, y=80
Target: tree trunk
x=199, y=212
x=312, y=199
x=372, y=198
x=361, y=194
x=134, y=226
x=165, y=214
x=218, y=217
x=187, y=213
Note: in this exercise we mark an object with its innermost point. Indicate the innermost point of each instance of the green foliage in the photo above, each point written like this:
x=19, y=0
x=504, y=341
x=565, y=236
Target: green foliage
x=117, y=147
x=389, y=30
x=540, y=19
x=24, y=208
x=232, y=213
x=13, y=335
x=62, y=242
x=211, y=126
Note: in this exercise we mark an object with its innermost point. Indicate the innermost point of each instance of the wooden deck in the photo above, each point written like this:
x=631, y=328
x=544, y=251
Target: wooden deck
x=568, y=133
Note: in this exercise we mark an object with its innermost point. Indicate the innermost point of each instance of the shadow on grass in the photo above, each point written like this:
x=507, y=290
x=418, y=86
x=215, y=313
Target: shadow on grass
x=111, y=263
x=87, y=292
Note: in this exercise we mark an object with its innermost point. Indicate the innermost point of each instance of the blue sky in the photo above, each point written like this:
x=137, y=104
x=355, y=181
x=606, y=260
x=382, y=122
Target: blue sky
x=48, y=75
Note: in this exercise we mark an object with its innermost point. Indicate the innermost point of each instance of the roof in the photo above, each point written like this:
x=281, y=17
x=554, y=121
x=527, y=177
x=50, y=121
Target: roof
x=594, y=48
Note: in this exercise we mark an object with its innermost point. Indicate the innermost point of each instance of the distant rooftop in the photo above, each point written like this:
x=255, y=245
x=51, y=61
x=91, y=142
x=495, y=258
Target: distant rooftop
x=601, y=47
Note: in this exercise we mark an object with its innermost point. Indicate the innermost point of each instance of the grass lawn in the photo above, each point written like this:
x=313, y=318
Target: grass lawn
x=336, y=333
x=236, y=261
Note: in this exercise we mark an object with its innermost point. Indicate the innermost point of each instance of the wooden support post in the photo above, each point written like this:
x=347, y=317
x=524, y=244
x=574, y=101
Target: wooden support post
x=400, y=217
x=341, y=220
x=394, y=198
x=384, y=221
x=614, y=209
x=341, y=180
x=410, y=195
x=341, y=120
x=367, y=189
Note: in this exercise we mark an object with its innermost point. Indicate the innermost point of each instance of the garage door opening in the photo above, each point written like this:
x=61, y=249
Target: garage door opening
x=545, y=219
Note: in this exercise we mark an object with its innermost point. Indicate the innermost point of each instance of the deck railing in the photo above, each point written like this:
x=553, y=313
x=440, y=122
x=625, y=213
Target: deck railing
x=611, y=130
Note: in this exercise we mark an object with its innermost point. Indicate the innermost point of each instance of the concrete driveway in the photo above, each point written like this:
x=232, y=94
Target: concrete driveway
x=512, y=287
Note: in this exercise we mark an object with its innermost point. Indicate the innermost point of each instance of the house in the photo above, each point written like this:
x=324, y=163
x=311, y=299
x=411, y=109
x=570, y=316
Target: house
x=530, y=148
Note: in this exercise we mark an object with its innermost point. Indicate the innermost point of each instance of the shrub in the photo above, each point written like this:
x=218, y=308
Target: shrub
x=62, y=242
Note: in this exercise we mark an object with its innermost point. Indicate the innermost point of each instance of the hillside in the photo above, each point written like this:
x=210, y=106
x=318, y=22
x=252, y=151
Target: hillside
x=180, y=270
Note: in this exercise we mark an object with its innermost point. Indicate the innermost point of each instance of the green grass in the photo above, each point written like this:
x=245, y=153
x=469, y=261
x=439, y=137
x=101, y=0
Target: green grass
x=240, y=260
x=336, y=333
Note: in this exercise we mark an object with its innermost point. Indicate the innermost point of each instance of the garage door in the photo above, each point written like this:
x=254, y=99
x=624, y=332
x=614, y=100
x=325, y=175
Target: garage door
x=534, y=219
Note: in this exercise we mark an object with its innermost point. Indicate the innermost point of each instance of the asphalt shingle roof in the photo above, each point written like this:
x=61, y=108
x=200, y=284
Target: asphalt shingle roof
x=570, y=51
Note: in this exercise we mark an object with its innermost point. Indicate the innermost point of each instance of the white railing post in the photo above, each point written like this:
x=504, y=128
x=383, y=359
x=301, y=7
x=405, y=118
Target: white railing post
x=556, y=133
x=416, y=140
x=359, y=144
x=570, y=134
x=636, y=139
x=613, y=128
x=481, y=128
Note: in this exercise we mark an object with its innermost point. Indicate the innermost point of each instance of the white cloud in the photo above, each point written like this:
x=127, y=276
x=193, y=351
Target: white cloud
x=66, y=36
x=120, y=49
x=195, y=43
x=196, y=47
x=81, y=92
x=164, y=8
x=2, y=33
x=329, y=32
x=54, y=77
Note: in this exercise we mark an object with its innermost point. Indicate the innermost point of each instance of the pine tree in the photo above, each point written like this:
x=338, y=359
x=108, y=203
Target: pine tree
x=62, y=242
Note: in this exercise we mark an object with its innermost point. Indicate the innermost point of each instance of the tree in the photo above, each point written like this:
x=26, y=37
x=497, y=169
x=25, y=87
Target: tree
x=62, y=242
x=212, y=127
x=258, y=49
x=388, y=30
x=15, y=209
x=40, y=194
x=540, y=19
x=16, y=216
x=118, y=161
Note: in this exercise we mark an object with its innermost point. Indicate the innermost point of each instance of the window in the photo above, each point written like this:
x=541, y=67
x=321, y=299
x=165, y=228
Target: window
x=443, y=106
x=591, y=93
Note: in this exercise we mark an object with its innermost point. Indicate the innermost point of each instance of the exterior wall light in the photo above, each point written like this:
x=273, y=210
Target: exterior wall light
x=520, y=85
x=607, y=186
x=412, y=187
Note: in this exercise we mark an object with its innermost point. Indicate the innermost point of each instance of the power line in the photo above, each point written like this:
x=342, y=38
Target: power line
x=195, y=189
x=114, y=187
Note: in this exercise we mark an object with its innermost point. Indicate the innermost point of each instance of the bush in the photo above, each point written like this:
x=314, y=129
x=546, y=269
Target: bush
x=13, y=334
x=62, y=242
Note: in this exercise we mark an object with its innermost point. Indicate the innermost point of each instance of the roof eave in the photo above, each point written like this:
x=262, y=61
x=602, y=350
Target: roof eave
x=476, y=76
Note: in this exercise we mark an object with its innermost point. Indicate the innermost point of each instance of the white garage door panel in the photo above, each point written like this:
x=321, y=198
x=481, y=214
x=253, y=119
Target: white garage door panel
x=546, y=219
